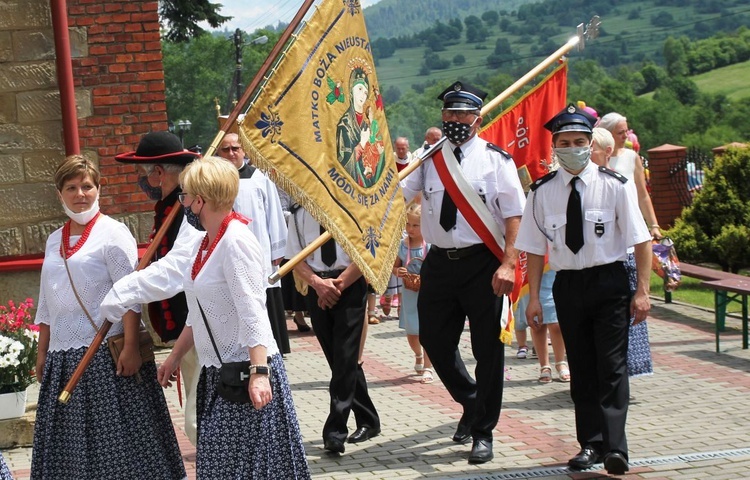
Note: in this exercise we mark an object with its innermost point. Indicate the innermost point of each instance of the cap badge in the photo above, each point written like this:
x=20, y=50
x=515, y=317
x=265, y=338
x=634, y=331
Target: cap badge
x=457, y=87
x=571, y=109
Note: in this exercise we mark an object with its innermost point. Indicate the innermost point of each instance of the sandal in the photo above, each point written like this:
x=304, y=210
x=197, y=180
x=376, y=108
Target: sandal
x=372, y=317
x=419, y=364
x=427, y=376
x=522, y=352
x=545, y=374
x=563, y=372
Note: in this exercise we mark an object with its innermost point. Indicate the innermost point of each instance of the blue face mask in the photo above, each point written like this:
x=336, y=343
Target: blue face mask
x=154, y=193
x=193, y=219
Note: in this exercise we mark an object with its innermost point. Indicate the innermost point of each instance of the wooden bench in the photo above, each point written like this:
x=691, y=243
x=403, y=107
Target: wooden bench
x=726, y=291
x=721, y=283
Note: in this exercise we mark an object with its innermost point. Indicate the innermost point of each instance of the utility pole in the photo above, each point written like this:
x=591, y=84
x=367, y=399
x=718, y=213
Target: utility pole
x=238, y=69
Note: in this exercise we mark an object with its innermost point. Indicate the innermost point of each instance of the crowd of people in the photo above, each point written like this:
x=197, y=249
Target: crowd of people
x=581, y=232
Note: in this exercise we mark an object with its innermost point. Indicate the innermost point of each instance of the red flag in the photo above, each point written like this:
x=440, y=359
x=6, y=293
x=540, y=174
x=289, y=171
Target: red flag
x=520, y=129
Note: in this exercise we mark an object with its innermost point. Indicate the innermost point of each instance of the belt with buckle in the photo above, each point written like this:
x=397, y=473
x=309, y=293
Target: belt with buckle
x=329, y=274
x=459, y=253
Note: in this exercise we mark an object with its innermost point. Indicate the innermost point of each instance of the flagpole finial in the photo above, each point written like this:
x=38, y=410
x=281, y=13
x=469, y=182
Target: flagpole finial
x=588, y=32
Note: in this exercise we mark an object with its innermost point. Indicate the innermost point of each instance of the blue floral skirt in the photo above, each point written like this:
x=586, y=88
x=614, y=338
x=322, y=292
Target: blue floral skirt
x=112, y=427
x=639, y=350
x=236, y=441
x=4, y=471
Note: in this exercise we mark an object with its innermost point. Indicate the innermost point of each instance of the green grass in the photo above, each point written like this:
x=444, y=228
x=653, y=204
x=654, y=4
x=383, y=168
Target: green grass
x=730, y=81
x=690, y=292
x=630, y=36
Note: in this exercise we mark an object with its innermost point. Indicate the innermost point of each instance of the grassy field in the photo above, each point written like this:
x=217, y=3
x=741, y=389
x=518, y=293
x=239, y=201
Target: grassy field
x=632, y=37
x=731, y=81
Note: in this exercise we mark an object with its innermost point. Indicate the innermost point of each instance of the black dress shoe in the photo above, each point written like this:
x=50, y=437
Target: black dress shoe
x=615, y=463
x=481, y=451
x=363, y=433
x=586, y=458
x=463, y=431
x=334, y=445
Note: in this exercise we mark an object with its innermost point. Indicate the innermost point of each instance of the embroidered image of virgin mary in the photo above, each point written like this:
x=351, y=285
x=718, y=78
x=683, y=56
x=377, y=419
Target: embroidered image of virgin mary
x=359, y=144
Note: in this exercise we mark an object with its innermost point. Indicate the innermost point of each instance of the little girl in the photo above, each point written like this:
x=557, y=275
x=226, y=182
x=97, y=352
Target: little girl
x=410, y=256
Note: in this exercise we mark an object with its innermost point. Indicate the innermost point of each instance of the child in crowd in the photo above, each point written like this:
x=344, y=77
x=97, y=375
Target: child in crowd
x=410, y=256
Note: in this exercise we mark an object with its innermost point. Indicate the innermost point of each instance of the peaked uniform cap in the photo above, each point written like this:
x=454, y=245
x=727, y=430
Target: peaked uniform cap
x=159, y=147
x=571, y=119
x=462, y=96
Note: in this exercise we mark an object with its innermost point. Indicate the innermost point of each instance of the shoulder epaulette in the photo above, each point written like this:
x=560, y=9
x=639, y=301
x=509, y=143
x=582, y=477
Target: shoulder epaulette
x=612, y=173
x=541, y=181
x=494, y=147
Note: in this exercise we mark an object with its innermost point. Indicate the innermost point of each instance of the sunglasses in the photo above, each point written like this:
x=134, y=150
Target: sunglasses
x=232, y=148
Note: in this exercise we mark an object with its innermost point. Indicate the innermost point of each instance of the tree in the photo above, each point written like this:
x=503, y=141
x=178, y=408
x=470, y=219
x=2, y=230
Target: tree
x=201, y=69
x=183, y=17
x=459, y=59
x=490, y=17
x=675, y=54
x=715, y=227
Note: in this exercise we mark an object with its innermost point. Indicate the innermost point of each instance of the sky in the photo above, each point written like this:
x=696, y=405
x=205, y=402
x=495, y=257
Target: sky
x=250, y=15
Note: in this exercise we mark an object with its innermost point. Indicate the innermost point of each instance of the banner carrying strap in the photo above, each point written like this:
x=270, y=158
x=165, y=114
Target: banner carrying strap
x=468, y=202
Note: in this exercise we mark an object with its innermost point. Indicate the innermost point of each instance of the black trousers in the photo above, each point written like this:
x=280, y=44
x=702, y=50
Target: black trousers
x=338, y=330
x=593, y=310
x=452, y=290
x=275, y=307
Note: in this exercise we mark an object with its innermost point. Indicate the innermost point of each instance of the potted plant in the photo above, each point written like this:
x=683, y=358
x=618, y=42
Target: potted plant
x=19, y=339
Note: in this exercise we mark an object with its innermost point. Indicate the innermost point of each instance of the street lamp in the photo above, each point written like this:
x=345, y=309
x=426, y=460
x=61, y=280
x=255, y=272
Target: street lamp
x=238, y=44
x=182, y=127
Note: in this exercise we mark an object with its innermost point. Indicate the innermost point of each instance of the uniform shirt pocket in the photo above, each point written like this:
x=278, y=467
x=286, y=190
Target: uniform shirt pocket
x=598, y=223
x=553, y=225
x=433, y=194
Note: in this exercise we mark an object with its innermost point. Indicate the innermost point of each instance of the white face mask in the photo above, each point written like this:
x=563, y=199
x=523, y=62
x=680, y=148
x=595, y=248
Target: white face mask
x=573, y=159
x=83, y=218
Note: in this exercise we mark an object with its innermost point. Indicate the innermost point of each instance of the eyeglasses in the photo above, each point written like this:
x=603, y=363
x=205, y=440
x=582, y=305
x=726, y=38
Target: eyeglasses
x=181, y=197
x=233, y=148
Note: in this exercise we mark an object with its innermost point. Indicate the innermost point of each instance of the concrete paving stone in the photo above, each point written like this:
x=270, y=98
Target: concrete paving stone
x=676, y=411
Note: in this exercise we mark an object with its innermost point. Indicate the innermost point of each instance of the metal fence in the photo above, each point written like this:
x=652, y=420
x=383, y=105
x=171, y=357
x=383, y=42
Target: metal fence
x=687, y=176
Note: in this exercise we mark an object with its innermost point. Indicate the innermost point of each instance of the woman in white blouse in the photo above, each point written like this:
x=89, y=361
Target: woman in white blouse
x=260, y=439
x=116, y=424
x=628, y=163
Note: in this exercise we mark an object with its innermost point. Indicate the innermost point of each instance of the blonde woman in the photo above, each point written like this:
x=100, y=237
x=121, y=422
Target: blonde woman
x=228, y=322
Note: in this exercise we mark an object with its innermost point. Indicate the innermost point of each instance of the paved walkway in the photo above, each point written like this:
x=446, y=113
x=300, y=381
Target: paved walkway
x=689, y=420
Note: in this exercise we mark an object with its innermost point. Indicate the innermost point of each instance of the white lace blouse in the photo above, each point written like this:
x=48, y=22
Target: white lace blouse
x=109, y=254
x=232, y=291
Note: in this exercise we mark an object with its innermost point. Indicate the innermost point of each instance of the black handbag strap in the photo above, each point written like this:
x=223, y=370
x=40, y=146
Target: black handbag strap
x=210, y=335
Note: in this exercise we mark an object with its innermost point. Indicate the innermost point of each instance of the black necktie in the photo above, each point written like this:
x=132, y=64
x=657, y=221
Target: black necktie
x=574, y=227
x=448, y=209
x=328, y=250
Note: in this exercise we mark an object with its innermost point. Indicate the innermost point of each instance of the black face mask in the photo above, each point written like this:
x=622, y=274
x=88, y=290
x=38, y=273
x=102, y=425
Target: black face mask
x=457, y=132
x=154, y=193
x=193, y=219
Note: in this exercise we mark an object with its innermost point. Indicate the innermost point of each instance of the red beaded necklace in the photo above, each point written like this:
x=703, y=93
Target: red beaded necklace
x=65, y=250
x=201, y=259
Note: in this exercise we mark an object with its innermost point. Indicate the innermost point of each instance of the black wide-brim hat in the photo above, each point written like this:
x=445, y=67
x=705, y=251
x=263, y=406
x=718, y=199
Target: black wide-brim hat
x=159, y=148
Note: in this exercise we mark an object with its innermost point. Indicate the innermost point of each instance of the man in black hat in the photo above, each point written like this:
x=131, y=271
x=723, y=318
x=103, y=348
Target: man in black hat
x=461, y=277
x=585, y=218
x=159, y=159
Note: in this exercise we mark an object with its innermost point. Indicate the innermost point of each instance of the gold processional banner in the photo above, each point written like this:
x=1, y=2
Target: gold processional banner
x=318, y=129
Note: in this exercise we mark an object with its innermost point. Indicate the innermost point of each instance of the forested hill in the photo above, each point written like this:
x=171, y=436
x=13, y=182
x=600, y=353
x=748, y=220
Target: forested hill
x=393, y=18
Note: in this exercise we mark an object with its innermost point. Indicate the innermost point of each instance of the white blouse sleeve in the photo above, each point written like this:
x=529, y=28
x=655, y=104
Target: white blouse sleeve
x=243, y=267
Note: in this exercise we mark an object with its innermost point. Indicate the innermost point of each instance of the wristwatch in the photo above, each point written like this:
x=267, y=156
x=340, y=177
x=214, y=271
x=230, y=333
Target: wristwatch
x=260, y=369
